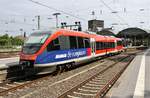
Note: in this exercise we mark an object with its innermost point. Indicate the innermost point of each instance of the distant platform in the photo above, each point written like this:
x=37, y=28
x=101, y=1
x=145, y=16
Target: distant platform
x=9, y=60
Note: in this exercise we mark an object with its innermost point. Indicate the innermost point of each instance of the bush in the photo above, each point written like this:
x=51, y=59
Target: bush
x=8, y=41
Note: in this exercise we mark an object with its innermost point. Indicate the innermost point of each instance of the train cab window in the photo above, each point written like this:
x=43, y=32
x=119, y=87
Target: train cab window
x=73, y=42
x=86, y=43
x=54, y=45
x=80, y=42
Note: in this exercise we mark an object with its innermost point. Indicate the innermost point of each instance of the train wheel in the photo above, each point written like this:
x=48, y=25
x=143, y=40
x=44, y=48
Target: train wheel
x=72, y=66
x=64, y=68
x=68, y=66
x=58, y=70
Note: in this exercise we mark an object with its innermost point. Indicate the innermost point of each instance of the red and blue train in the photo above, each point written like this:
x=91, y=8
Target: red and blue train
x=48, y=51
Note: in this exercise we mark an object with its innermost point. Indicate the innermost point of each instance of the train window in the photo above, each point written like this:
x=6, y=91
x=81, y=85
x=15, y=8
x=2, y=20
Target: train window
x=56, y=41
x=97, y=46
x=73, y=42
x=86, y=43
x=106, y=45
x=64, y=42
x=54, y=45
x=119, y=43
x=80, y=42
x=102, y=45
x=109, y=45
x=113, y=45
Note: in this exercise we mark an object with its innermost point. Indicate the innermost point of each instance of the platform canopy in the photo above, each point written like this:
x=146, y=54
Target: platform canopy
x=135, y=36
x=133, y=32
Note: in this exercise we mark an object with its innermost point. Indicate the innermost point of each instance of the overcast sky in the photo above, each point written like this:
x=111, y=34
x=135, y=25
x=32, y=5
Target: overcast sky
x=21, y=14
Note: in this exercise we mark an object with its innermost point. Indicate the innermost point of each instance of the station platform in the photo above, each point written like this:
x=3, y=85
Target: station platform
x=135, y=81
x=9, y=60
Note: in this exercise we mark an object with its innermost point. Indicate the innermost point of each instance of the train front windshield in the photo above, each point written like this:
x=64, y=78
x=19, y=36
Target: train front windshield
x=34, y=43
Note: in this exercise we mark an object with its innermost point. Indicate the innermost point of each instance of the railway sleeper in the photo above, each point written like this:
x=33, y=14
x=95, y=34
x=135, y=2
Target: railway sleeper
x=92, y=88
x=87, y=90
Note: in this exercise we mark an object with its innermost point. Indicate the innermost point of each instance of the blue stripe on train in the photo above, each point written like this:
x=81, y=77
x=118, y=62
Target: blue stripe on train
x=60, y=55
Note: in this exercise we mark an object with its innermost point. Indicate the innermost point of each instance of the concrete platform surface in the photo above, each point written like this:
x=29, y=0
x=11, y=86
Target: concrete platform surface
x=135, y=81
x=9, y=60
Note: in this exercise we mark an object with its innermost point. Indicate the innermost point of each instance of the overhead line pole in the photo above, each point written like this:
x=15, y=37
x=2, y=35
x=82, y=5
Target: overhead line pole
x=38, y=22
x=56, y=14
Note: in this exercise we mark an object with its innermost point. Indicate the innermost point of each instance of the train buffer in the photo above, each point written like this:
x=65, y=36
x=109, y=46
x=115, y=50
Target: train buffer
x=9, y=71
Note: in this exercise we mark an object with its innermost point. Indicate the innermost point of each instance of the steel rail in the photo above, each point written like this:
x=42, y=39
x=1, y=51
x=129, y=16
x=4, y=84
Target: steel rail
x=107, y=85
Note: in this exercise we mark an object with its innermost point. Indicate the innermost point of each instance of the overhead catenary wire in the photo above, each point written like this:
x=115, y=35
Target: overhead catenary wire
x=113, y=11
x=52, y=8
x=19, y=22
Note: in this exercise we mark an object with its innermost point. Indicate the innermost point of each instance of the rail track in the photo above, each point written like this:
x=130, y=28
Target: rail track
x=10, y=86
x=7, y=54
x=97, y=85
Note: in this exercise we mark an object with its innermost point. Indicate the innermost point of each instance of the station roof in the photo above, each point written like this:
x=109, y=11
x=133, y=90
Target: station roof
x=132, y=32
x=106, y=33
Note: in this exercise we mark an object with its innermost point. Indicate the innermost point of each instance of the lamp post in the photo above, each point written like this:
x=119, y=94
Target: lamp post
x=56, y=15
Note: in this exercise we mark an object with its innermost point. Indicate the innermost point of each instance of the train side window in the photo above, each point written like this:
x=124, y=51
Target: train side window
x=56, y=41
x=86, y=43
x=80, y=42
x=54, y=45
x=105, y=45
x=102, y=45
x=97, y=46
x=64, y=42
x=113, y=45
x=73, y=42
x=108, y=45
x=119, y=43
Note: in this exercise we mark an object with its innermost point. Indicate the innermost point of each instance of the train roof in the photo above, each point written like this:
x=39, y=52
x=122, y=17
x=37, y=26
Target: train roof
x=58, y=32
x=45, y=31
x=72, y=33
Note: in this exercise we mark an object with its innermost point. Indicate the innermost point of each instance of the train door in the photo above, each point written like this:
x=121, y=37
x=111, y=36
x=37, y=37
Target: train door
x=93, y=46
x=116, y=45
